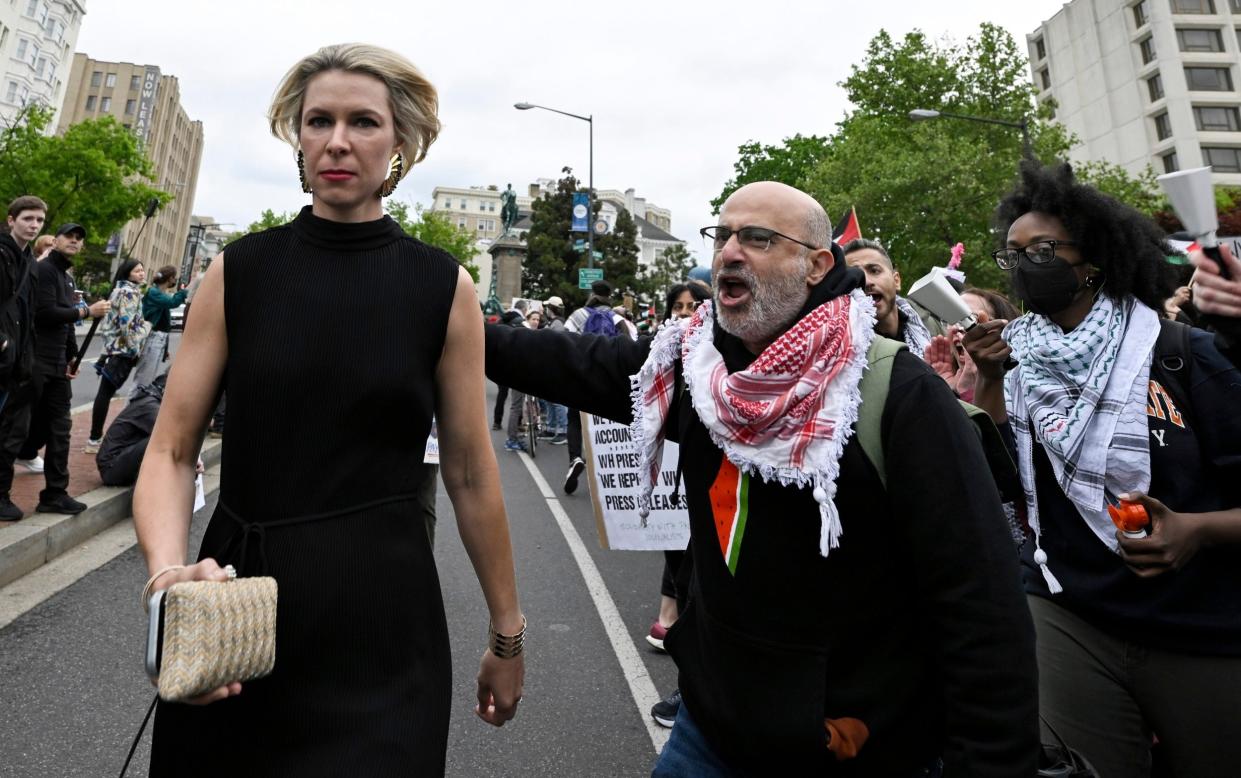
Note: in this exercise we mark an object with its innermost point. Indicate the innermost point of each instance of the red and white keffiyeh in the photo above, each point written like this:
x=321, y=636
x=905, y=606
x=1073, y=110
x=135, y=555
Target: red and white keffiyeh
x=786, y=417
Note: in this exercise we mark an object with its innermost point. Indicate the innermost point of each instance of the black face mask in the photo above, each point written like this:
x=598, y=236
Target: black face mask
x=1049, y=288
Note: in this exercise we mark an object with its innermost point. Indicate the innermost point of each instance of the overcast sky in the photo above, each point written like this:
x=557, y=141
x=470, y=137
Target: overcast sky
x=675, y=87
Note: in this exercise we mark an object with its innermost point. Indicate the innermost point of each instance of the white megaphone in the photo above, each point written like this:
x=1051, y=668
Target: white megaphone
x=934, y=293
x=1193, y=198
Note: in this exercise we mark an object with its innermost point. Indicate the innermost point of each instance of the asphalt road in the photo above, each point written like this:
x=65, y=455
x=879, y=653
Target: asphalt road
x=73, y=691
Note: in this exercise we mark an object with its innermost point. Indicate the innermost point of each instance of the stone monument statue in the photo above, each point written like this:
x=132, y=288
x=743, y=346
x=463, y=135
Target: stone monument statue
x=508, y=209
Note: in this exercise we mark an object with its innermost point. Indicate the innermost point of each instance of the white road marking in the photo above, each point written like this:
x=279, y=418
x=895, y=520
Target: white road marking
x=640, y=684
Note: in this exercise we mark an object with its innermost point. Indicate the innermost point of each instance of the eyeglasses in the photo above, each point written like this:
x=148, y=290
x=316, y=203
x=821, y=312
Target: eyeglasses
x=1040, y=253
x=757, y=238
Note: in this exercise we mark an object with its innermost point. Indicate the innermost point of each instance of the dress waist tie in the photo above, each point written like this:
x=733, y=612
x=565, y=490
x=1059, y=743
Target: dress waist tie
x=259, y=529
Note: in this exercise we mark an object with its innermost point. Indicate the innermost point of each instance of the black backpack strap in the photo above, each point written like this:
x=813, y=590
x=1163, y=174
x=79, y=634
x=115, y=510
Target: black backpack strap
x=1173, y=358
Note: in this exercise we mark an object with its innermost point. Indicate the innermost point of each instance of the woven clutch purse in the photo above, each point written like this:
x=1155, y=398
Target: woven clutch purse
x=216, y=633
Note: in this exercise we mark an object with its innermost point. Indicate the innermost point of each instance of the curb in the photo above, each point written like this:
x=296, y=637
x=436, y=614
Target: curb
x=37, y=540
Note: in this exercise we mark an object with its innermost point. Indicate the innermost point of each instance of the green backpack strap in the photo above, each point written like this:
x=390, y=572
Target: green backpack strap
x=874, y=389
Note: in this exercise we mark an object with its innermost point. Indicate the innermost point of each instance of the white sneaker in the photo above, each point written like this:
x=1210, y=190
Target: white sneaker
x=92, y=445
x=33, y=465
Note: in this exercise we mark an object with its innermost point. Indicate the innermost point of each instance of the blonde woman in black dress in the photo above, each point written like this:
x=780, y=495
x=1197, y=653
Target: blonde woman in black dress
x=327, y=425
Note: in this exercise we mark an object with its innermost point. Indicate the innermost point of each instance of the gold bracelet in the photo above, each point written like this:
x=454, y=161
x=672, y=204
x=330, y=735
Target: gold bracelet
x=506, y=646
x=146, y=590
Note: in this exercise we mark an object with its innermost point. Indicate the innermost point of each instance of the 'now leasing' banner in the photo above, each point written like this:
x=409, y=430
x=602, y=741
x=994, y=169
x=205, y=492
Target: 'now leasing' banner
x=612, y=466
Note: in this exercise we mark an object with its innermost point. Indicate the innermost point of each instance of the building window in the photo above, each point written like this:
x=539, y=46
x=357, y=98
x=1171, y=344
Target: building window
x=110, y=81
x=11, y=95
x=32, y=8
x=1217, y=118
x=39, y=66
x=135, y=83
x=1154, y=85
x=1163, y=127
x=1044, y=77
x=1199, y=40
x=1170, y=164
x=491, y=206
x=486, y=225
x=1140, y=17
x=1209, y=79
x=105, y=104
x=1040, y=49
x=1221, y=159
x=1147, y=47
x=464, y=205
x=1235, y=5
x=130, y=106
x=90, y=103
x=1193, y=6
x=482, y=205
x=461, y=223
x=21, y=49
x=96, y=78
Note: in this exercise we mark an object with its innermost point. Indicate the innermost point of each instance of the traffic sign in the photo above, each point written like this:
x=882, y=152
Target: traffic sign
x=588, y=275
x=597, y=254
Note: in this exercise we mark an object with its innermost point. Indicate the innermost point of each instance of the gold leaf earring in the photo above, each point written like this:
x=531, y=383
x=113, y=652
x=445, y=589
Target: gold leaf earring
x=301, y=172
x=396, y=169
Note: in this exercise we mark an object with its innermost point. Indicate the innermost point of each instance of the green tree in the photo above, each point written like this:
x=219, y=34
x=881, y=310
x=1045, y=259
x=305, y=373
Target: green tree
x=96, y=173
x=435, y=229
x=922, y=187
x=267, y=219
x=788, y=163
x=670, y=267
x=551, y=264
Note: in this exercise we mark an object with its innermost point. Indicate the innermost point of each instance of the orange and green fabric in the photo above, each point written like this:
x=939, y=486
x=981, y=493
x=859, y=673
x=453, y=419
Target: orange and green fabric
x=730, y=504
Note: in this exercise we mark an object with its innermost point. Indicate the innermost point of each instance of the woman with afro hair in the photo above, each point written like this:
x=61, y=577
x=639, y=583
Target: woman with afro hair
x=1139, y=637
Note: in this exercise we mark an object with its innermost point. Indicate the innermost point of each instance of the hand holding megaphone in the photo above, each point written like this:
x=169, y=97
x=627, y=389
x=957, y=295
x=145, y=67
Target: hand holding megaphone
x=1193, y=199
x=934, y=293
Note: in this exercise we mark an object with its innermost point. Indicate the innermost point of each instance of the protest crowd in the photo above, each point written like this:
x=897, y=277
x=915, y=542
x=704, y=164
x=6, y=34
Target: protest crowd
x=907, y=555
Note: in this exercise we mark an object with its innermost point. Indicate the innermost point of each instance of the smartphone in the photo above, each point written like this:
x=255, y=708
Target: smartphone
x=155, y=634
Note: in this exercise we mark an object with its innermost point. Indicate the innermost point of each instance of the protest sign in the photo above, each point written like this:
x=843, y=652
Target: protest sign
x=612, y=470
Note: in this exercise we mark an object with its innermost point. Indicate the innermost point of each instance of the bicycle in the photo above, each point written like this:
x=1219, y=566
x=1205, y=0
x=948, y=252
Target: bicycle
x=530, y=410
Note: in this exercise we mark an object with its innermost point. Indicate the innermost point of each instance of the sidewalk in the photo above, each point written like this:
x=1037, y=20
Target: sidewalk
x=41, y=537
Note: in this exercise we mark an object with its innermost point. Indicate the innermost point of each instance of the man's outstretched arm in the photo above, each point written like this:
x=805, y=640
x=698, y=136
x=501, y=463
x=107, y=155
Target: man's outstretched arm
x=586, y=372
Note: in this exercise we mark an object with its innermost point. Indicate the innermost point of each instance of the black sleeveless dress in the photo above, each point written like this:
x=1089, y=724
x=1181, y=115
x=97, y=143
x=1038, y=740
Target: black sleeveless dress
x=334, y=334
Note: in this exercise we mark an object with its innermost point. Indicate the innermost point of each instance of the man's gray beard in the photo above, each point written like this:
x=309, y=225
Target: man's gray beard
x=773, y=306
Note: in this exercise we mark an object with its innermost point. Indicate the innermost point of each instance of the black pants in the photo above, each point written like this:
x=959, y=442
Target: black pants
x=99, y=414
x=497, y=416
x=575, y=434
x=40, y=419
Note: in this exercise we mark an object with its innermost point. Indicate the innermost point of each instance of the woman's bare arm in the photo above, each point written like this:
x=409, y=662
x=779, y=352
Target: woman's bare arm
x=471, y=476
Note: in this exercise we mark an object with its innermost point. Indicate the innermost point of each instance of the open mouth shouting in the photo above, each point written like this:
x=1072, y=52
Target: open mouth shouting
x=734, y=289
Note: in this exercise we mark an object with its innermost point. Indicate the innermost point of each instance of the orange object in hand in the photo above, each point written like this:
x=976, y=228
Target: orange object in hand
x=1129, y=517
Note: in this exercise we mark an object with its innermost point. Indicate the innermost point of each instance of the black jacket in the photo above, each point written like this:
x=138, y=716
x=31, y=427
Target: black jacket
x=125, y=444
x=915, y=625
x=17, y=293
x=55, y=313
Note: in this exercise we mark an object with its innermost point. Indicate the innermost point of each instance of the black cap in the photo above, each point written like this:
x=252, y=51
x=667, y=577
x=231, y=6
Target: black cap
x=71, y=227
x=601, y=289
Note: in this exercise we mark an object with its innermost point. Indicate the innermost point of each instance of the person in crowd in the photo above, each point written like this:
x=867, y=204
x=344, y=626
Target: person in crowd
x=23, y=222
x=895, y=316
x=946, y=354
x=42, y=245
x=679, y=303
x=600, y=300
x=157, y=308
x=125, y=443
x=515, y=317
x=354, y=565
x=557, y=414
x=123, y=332
x=903, y=639
x=1138, y=637
x=534, y=320
x=47, y=404
x=1219, y=299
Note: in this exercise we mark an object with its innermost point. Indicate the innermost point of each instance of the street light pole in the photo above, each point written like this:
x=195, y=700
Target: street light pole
x=921, y=114
x=590, y=184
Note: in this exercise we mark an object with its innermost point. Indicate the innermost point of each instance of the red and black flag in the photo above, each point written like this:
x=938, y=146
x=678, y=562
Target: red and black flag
x=847, y=228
